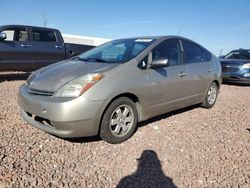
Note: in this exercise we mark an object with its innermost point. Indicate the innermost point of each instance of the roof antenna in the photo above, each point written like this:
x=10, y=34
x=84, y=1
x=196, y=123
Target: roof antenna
x=194, y=37
x=45, y=19
x=180, y=30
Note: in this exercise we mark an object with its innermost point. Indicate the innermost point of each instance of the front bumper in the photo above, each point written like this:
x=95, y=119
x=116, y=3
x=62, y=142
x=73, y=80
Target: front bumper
x=62, y=117
x=237, y=77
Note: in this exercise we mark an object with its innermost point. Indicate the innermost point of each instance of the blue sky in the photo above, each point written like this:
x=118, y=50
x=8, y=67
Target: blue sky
x=216, y=24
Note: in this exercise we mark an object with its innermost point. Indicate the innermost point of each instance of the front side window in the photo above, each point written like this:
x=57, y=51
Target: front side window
x=168, y=49
x=16, y=34
x=117, y=51
x=192, y=52
x=43, y=35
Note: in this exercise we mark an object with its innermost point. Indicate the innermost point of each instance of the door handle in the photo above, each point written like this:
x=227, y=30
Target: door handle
x=58, y=47
x=209, y=70
x=182, y=74
x=25, y=45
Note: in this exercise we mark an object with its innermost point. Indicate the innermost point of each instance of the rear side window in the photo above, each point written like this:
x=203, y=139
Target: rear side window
x=193, y=53
x=43, y=35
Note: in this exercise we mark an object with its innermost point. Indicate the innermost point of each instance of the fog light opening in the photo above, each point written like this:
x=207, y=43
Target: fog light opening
x=43, y=121
x=29, y=114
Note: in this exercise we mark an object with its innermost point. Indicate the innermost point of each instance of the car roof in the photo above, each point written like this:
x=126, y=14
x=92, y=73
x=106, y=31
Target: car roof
x=37, y=27
x=164, y=37
x=158, y=37
x=241, y=50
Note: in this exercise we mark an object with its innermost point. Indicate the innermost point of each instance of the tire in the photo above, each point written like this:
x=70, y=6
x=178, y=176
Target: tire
x=211, y=96
x=119, y=121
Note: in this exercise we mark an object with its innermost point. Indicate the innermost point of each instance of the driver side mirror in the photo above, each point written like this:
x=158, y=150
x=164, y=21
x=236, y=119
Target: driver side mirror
x=3, y=36
x=159, y=63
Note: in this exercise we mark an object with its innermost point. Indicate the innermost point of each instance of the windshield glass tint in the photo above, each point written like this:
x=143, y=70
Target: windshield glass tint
x=117, y=51
x=238, y=55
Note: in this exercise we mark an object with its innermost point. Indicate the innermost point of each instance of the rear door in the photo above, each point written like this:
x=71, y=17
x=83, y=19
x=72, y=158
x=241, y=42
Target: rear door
x=198, y=70
x=48, y=47
x=16, y=50
x=167, y=87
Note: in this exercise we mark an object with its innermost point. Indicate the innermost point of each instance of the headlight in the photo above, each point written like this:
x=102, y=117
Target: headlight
x=246, y=66
x=78, y=86
x=32, y=77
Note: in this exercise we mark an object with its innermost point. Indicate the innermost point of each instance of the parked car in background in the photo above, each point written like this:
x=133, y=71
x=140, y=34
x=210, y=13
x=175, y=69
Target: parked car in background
x=110, y=88
x=236, y=66
x=26, y=48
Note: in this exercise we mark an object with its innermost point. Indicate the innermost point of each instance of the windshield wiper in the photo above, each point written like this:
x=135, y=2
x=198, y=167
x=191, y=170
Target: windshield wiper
x=246, y=55
x=90, y=59
x=97, y=60
x=78, y=58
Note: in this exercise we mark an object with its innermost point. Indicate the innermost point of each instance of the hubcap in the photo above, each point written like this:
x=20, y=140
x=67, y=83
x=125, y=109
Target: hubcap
x=121, y=120
x=212, y=94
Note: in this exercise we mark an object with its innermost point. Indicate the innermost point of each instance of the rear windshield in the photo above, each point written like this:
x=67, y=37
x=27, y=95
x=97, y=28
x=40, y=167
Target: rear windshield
x=243, y=54
x=117, y=51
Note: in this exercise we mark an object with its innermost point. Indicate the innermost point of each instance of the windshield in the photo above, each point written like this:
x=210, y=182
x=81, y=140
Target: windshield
x=238, y=55
x=117, y=51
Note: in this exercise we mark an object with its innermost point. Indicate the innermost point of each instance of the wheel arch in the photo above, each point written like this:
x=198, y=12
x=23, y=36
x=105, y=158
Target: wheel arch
x=217, y=83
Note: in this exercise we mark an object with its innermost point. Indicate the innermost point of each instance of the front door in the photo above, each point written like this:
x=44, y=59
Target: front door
x=167, y=87
x=15, y=50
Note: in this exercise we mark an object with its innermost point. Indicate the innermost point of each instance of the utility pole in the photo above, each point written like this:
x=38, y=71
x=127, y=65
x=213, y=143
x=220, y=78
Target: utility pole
x=45, y=19
x=221, y=52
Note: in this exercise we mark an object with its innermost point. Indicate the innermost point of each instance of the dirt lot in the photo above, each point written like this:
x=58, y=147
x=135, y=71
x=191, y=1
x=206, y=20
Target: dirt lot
x=193, y=147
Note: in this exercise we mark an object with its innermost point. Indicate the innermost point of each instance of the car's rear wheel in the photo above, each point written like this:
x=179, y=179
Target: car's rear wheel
x=119, y=121
x=211, y=96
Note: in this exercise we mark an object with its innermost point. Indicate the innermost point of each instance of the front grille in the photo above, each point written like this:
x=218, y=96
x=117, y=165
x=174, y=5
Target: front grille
x=230, y=69
x=40, y=92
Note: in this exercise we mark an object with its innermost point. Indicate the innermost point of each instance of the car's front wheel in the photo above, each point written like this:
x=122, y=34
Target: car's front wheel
x=211, y=96
x=119, y=121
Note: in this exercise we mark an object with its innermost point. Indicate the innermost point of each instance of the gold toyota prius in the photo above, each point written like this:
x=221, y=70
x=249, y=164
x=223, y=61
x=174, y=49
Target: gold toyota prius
x=107, y=90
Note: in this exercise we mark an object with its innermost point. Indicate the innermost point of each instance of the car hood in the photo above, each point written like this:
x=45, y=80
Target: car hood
x=234, y=61
x=52, y=77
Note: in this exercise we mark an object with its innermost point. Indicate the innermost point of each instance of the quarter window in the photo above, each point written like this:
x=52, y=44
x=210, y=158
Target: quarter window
x=207, y=54
x=192, y=52
x=43, y=35
x=168, y=49
x=137, y=49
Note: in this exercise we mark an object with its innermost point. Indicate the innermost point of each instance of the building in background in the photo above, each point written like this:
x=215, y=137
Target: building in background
x=85, y=40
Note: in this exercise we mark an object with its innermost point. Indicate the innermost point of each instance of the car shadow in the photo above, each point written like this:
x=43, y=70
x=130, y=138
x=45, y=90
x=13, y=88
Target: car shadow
x=149, y=173
x=166, y=115
x=84, y=139
x=15, y=76
x=140, y=124
x=236, y=84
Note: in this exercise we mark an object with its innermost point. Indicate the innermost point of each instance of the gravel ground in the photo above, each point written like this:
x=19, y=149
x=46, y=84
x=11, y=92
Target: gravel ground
x=194, y=147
